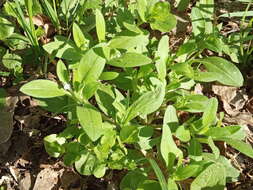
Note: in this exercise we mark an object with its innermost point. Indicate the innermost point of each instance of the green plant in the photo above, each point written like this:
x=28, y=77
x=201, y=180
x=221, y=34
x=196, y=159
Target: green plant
x=241, y=41
x=121, y=92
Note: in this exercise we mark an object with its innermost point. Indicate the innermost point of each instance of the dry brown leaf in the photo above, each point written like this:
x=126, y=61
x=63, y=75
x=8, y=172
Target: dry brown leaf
x=47, y=179
x=6, y=126
x=242, y=118
x=232, y=98
x=6, y=118
x=249, y=105
x=26, y=182
x=45, y=23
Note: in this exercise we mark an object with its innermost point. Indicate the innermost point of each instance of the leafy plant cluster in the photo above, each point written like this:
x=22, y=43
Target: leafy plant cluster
x=123, y=90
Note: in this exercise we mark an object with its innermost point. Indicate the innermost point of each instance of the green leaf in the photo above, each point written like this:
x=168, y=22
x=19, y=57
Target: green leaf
x=3, y=95
x=100, y=26
x=240, y=146
x=105, y=97
x=134, y=133
x=72, y=153
x=183, y=4
x=146, y=103
x=234, y=132
x=214, y=148
x=142, y=9
x=62, y=72
x=6, y=116
x=132, y=180
x=159, y=174
x=212, y=178
x=90, y=89
x=162, y=53
x=90, y=67
x=188, y=47
x=51, y=13
x=222, y=71
x=54, y=145
x=110, y=100
x=183, y=69
x=185, y=172
x=68, y=7
x=207, y=10
x=99, y=170
x=42, y=89
x=212, y=42
x=238, y=14
x=64, y=49
x=183, y=134
x=129, y=134
x=201, y=17
x=128, y=42
x=130, y=60
x=86, y=164
x=107, y=141
x=91, y=120
x=145, y=140
x=209, y=115
x=160, y=18
x=168, y=145
x=7, y=28
x=231, y=173
x=109, y=75
x=172, y=184
x=79, y=37
x=149, y=185
x=13, y=62
x=195, y=150
x=57, y=104
x=194, y=103
x=93, y=4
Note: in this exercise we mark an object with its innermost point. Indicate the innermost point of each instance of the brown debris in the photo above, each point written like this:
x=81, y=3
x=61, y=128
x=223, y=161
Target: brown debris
x=47, y=179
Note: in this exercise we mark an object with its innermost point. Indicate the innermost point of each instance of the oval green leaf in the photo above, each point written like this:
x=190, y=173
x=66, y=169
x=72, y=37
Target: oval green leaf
x=91, y=121
x=7, y=28
x=222, y=71
x=100, y=25
x=42, y=89
x=62, y=72
x=130, y=60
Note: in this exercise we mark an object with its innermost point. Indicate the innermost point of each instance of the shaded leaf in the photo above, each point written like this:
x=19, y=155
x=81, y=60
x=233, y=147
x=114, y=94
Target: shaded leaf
x=146, y=103
x=7, y=28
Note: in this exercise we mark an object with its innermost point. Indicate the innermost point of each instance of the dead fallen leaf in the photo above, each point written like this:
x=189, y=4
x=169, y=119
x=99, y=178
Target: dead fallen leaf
x=249, y=105
x=26, y=182
x=6, y=115
x=232, y=98
x=45, y=23
x=6, y=126
x=47, y=179
x=242, y=118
